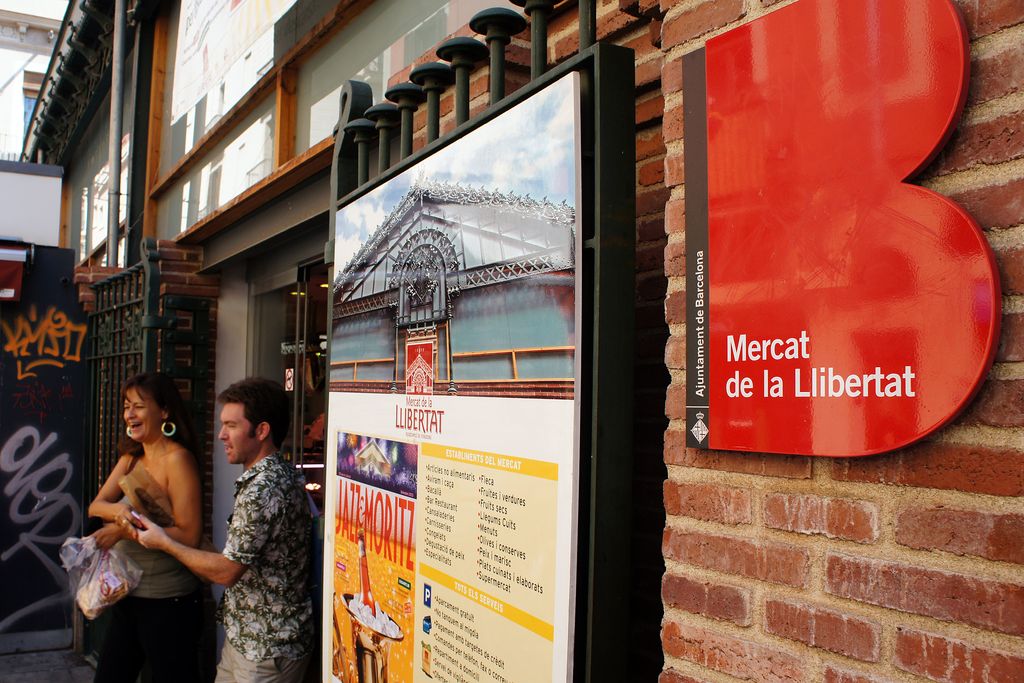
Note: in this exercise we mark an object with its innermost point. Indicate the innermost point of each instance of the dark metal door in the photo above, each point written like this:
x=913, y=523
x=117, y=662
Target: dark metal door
x=42, y=387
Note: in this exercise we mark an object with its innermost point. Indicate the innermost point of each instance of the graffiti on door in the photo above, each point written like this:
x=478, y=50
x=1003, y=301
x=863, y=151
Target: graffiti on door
x=42, y=446
x=52, y=339
x=40, y=508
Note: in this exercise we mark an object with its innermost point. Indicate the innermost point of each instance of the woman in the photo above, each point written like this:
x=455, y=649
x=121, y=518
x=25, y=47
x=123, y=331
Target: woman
x=161, y=620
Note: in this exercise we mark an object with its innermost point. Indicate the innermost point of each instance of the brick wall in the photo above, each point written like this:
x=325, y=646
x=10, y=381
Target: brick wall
x=179, y=265
x=903, y=567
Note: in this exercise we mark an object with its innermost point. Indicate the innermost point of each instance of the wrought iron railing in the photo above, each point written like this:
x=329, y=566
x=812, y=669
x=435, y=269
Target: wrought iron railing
x=362, y=123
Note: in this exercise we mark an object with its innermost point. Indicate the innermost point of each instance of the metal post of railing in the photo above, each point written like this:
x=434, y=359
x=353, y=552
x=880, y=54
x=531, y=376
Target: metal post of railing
x=408, y=96
x=538, y=11
x=588, y=23
x=462, y=53
x=115, y=132
x=386, y=116
x=363, y=131
x=433, y=77
x=497, y=25
x=353, y=101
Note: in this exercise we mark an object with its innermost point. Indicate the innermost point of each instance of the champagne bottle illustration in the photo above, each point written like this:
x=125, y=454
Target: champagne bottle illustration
x=364, y=572
x=373, y=630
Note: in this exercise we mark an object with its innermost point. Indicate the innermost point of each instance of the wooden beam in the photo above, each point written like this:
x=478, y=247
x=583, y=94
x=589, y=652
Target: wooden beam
x=285, y=115
x=65, y=213
x=156, y=116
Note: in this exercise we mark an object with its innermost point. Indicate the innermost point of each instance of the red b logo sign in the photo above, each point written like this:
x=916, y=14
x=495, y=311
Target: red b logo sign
x=833, y=309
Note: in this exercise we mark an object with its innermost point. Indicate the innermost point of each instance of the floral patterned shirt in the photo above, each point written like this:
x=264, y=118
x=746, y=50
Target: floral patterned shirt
x=268, y=612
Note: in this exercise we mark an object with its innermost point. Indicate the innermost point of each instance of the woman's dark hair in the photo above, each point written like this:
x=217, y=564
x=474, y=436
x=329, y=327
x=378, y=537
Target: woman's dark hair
x=263, y=400
x=164, y=392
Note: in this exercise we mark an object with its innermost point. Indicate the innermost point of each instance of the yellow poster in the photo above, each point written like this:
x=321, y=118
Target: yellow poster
x=487, y=565
x=374, y=560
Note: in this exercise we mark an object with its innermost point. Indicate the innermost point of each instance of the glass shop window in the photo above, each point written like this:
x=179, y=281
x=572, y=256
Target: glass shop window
x=230, y=168
x=291, y=348
x=387, y=37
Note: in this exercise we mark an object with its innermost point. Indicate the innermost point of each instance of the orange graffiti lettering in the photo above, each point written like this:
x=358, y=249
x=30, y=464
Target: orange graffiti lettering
x=36, y=341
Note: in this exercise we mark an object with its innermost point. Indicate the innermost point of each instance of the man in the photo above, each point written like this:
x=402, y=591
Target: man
x=266, y=609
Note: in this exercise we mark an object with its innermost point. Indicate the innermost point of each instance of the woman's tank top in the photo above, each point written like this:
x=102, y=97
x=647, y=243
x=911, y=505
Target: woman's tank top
x=162, y=575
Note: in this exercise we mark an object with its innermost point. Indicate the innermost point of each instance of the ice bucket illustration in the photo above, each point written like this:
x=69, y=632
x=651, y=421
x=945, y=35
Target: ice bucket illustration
x=372, y=648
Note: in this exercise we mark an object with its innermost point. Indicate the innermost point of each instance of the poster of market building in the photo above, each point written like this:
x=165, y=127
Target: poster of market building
x=453, y=346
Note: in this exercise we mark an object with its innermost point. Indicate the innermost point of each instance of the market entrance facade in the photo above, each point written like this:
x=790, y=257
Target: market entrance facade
x=730, y=552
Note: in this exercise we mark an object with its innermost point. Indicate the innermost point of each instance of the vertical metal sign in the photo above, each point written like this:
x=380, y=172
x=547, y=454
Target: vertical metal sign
x=697, y=257
x=453, y=419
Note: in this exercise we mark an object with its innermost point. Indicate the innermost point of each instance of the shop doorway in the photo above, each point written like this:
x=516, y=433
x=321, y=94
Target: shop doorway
x=291, y=348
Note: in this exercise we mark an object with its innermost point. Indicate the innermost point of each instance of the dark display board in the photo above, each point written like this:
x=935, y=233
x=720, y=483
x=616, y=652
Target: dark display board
x=479, y=414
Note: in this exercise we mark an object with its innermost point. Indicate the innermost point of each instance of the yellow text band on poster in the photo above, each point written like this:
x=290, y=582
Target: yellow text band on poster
x=510, y=612
x=504, y=463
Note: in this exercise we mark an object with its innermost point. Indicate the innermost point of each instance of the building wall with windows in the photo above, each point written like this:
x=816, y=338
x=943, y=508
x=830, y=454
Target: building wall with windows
x=87, y=192
x=222, y=136
x=26, y=41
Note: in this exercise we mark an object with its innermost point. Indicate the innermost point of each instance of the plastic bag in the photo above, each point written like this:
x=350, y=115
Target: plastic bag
x=98, y=578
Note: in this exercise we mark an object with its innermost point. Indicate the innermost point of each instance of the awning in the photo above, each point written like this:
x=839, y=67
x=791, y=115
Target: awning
x=12, y=265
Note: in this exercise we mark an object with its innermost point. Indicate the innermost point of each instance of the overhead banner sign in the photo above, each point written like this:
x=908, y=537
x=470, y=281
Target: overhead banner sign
x=453, y=417
x=832, y=308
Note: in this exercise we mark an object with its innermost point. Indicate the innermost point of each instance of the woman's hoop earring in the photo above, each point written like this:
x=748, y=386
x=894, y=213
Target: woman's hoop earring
x=128, y=431
x=168, y=431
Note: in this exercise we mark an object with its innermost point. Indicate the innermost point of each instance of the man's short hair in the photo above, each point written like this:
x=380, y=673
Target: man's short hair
x=263, y=400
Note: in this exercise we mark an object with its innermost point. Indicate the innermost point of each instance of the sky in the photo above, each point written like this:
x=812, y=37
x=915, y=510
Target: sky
x=53, y=9
x=528, y=150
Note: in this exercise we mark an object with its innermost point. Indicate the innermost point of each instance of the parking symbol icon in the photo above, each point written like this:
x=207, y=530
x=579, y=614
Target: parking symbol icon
x=426, y=594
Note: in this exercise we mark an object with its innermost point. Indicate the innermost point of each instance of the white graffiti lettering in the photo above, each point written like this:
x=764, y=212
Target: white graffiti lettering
x=40, y=505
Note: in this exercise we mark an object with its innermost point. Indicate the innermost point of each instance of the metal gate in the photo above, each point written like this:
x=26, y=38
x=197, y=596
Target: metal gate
x=122, y=345
x=135, y=328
